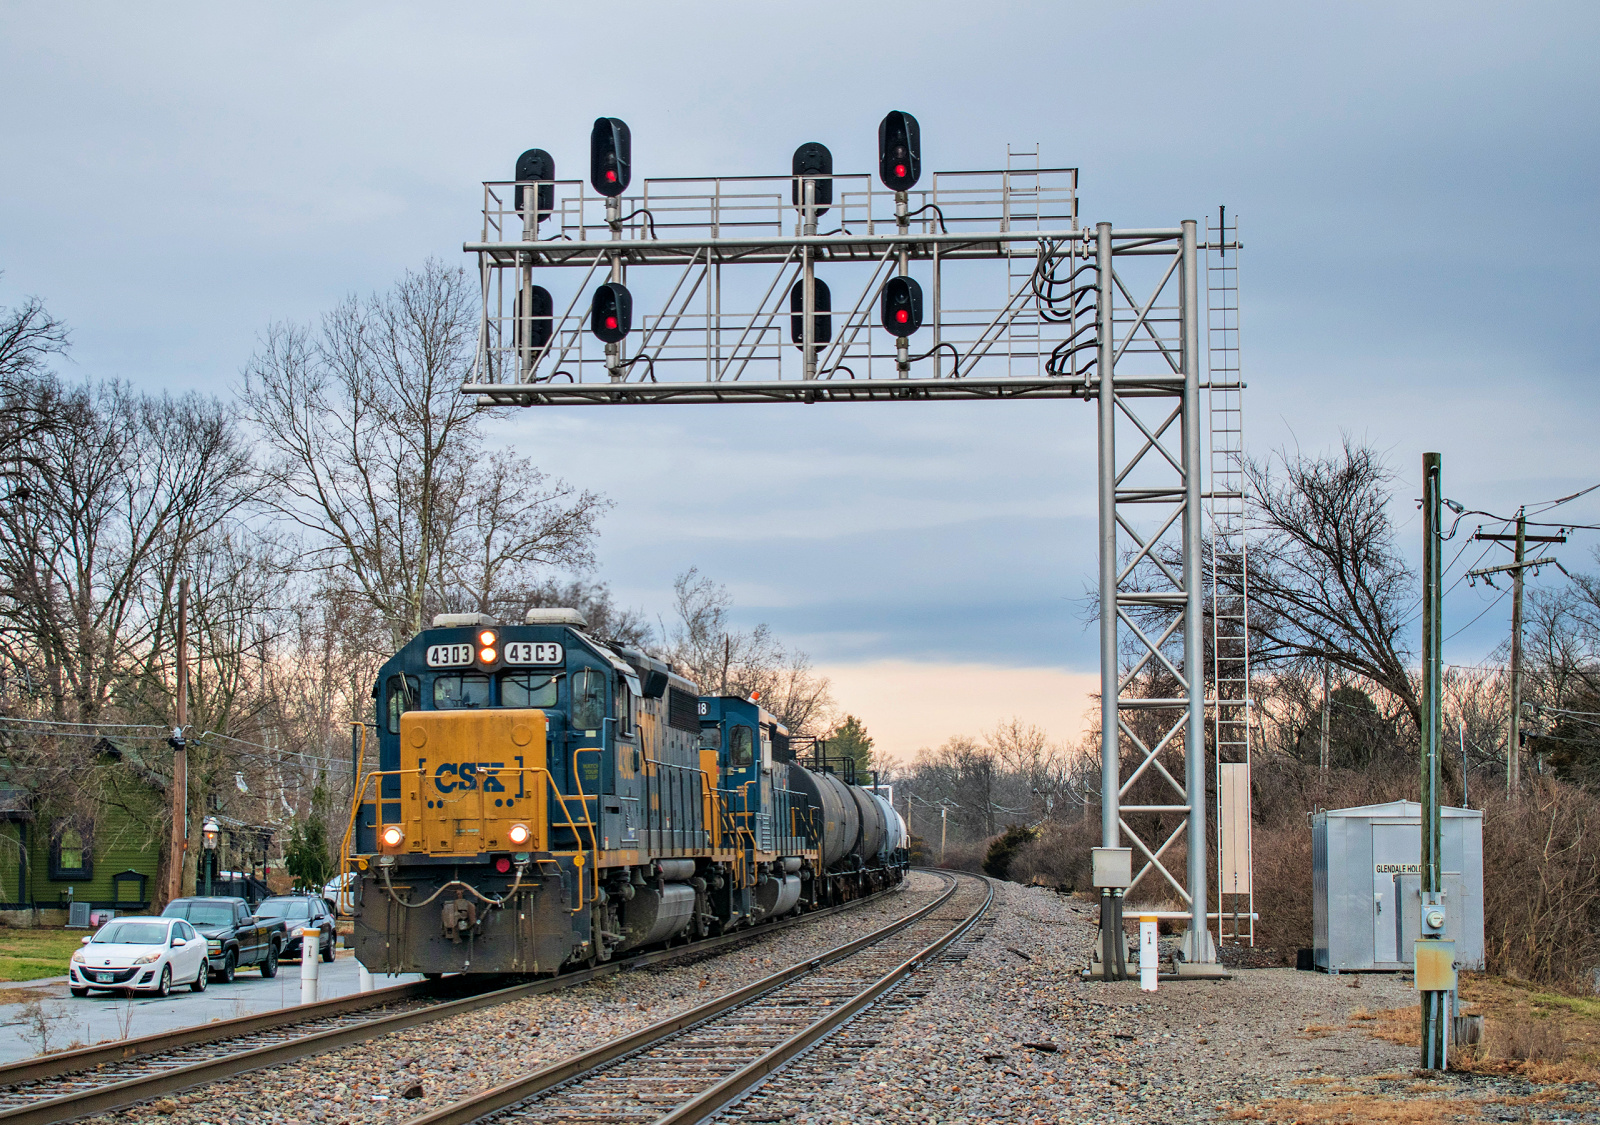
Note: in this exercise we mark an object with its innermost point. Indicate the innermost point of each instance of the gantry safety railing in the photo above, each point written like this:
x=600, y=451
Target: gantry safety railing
x=736, y=251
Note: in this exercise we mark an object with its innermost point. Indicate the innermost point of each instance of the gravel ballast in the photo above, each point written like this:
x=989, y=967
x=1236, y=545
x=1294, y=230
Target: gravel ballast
x=1014, y=1033
x=412, y=1072
x=1005, y=1030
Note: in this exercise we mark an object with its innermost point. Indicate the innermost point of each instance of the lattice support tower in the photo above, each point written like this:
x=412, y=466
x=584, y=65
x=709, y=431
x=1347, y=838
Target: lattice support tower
x=1024, y=304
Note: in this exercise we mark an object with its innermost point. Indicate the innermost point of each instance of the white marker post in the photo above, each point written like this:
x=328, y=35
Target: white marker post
x=364, y=978
x=310, y=954
x=1148, y=953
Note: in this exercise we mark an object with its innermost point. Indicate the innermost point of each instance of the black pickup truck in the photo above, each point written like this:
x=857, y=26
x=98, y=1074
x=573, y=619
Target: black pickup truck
x=234, y=936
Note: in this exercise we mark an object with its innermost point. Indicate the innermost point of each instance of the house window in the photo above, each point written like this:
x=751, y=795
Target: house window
x=70, y=852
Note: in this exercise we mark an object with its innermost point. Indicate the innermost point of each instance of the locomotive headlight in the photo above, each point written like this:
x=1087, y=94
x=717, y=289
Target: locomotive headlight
x=519, y=834
x=486, y=638
x=393, y=836
x=486, y=655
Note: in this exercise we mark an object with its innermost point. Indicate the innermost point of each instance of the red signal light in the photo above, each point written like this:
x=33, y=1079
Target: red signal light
x=502, y=864
x=611, y=322
x=900, y=169
x=901, y=316
x=611, y=177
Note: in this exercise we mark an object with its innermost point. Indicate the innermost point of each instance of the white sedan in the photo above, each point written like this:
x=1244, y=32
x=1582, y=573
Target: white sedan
x=140, y=955
x=340, y=894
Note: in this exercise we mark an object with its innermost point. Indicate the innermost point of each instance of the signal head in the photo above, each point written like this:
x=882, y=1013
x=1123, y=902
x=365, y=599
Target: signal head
x=899, y=151
x=610, y=156
x=901, y=306
x=537, y=164
x=823, y=323
x=813, y=161
x=611, y=312
x=532, y=317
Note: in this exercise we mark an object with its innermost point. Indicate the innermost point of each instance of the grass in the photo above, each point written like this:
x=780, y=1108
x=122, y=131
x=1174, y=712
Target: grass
x=1542, y=1036
x=35, y=953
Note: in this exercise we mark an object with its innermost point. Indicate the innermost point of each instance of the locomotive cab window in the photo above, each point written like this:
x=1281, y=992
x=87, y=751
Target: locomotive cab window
x=741, y=748
x=588, y=700
x=624, y=709
x=528, y=689
x=405, y=694
x=711, y=737
x=451, y=693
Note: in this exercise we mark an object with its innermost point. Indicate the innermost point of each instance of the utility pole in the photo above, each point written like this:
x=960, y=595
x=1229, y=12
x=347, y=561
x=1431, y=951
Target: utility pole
x=1427, y=983
x=944, y=830
x=1517, y=568
x=180, y=753
x=1323, y=757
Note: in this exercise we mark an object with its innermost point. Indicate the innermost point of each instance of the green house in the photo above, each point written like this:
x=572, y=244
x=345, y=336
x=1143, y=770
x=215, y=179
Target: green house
x=105, y=851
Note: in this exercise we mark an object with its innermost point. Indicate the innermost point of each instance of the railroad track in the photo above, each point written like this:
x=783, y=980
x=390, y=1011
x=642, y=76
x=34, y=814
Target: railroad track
x=696, y=1065
x=72, y=1084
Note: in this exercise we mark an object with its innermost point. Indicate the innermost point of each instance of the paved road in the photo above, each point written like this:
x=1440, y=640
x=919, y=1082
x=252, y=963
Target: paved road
x=56, y=1020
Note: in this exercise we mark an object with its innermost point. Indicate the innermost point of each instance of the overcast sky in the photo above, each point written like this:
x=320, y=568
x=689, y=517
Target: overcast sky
x=1416, y=187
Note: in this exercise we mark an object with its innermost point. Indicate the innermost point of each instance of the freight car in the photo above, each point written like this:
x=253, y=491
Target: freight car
x=543, y=799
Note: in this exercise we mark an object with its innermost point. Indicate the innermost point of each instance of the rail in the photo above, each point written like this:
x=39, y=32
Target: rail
x=569, y=1074
x=93, y=1082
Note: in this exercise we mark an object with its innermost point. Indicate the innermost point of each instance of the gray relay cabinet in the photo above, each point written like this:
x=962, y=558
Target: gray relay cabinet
x=1367, y=886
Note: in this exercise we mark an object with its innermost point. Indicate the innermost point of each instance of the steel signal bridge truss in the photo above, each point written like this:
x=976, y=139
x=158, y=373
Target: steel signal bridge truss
x=745, y=291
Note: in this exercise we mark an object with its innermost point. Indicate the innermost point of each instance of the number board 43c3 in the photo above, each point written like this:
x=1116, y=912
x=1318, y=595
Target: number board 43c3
x=533, y=652
x=514, y=652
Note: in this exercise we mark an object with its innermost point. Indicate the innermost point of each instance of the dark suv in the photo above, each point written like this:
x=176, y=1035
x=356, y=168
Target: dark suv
x=299, y=912
x=234, y=936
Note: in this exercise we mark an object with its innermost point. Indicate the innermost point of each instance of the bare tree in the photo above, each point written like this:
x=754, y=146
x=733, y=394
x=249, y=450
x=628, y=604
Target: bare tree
x=1326, y=580
x=380, y=460
x=124, y=487
x=728, y=661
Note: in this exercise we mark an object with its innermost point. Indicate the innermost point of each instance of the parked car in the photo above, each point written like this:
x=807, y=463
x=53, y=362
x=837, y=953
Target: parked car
x=340, y=894
x=298, y=912
x=234, y=936
x=139, y=954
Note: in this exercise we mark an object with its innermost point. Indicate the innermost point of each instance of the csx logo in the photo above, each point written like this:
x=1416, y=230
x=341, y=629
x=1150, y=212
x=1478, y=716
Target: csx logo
x=452, y=777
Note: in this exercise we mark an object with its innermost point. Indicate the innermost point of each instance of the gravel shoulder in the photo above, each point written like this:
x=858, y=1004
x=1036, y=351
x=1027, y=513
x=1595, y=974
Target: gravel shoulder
x=1258, y=1046
x=442, y=1062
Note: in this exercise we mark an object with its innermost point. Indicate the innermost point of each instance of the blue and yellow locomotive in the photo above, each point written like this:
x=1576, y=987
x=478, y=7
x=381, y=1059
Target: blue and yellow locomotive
x=542, y=799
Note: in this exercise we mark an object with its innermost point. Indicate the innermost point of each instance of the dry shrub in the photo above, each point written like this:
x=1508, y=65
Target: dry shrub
x=1525, y=1040
x=1282, y=854
x=1541, y=862
x=964, y=857
x=1059, y=854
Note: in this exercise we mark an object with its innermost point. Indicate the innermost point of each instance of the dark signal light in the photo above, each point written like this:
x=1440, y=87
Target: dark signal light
x=822, y=322
x=901, y=306
x=537, y=164
x=532, y=317
x=899, y=151
x=813, y=161
x=611, y=312
x=610, y=156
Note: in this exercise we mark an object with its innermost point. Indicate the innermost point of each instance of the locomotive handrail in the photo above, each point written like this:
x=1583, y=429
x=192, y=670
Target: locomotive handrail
x=583, y=799
x=683, y=769
x=355, y=813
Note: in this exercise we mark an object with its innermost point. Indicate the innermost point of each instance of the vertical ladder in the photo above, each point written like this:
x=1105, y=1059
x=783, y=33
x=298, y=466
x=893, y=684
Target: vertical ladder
x=1230, y=591
x=1023, y=210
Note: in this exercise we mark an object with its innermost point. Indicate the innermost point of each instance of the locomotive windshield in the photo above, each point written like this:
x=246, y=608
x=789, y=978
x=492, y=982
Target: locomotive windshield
x=588, y=700
x=740, y=748
x=404, y=694
x=454, y=692
x=528, y=689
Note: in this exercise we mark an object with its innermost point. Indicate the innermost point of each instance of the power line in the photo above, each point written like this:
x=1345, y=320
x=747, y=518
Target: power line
x=1475, y=620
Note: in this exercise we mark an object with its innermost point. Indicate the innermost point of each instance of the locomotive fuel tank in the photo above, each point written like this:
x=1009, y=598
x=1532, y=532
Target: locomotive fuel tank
x=839, y=818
